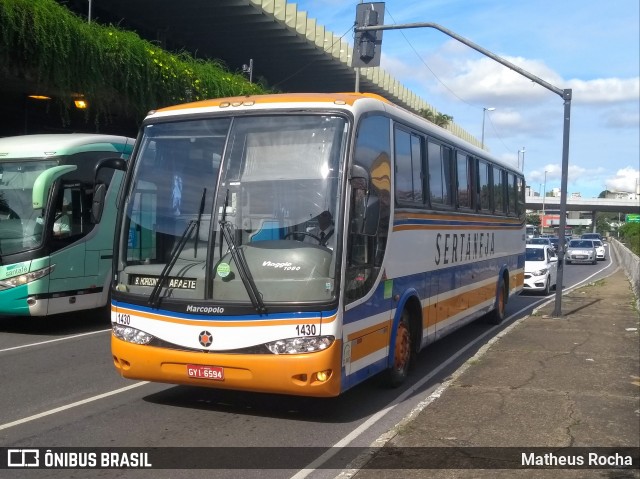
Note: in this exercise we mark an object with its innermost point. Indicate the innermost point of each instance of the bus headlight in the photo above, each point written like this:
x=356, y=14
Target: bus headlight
x=27, y=277
x=309, y=344
x=130, y=335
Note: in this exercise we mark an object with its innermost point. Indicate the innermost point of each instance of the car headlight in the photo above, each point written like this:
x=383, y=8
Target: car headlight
x=27, y=277
x=130, y=335
x=309, y=344
x=540, y=272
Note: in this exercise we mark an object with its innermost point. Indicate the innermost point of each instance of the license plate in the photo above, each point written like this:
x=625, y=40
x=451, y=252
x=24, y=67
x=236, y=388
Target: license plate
x=198, y=371
x=580, y=256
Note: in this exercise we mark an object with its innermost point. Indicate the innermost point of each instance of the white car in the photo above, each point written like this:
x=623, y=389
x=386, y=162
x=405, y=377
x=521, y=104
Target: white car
x=601, y=253
x=540, y=268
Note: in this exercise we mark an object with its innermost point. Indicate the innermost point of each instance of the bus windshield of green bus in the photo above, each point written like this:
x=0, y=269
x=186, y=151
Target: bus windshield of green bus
x=20, y=224
x=216, y=204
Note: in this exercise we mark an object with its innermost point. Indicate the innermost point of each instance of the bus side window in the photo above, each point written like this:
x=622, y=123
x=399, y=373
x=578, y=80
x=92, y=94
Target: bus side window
x=71, y=216
x=498, y=191
x=484, y=187
x=464, y=181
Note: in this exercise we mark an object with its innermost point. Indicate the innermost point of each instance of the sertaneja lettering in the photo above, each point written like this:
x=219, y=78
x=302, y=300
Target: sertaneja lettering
x=453, y=248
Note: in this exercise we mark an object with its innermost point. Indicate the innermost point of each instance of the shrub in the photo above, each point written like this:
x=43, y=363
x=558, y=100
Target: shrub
x=45, y=43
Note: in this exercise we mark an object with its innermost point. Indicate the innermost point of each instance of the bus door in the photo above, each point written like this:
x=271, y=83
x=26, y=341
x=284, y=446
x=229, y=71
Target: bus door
x=71, y=283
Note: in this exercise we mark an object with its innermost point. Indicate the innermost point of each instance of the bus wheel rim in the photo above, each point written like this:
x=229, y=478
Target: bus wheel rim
x=403, y=348
x=501, y=304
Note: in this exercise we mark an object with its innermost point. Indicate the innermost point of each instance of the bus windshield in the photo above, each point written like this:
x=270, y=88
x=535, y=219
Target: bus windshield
x=217, y=205
x=20, y=224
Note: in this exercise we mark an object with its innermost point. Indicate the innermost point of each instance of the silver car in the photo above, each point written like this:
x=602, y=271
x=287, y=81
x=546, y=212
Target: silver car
x=581, y=251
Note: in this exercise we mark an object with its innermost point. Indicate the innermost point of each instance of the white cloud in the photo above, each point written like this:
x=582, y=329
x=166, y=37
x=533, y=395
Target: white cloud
x=605, y=90
x=626, y=179
x=483, y=80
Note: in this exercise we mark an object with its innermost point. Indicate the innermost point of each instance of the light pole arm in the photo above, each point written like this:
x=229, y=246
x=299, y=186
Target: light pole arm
x=470, y=44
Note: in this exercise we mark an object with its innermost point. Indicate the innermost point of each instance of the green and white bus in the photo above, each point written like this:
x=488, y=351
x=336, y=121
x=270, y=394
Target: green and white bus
x=55, y=249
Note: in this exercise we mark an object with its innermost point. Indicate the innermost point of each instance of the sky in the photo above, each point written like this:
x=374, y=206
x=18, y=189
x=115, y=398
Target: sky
x=589, y=46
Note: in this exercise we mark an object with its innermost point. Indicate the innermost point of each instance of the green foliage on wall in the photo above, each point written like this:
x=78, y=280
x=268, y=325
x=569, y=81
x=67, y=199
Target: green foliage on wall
x=43, y=42
x=630, y=235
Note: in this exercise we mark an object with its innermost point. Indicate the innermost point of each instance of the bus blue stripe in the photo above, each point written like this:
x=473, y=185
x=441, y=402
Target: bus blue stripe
x=434, y=282
x=243, y=317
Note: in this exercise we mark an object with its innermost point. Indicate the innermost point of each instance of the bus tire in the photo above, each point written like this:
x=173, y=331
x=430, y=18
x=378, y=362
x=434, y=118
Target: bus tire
x=402, y=355
x=498, y=314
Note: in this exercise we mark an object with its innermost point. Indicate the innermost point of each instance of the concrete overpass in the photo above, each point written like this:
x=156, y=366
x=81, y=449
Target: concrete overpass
x=604, y=205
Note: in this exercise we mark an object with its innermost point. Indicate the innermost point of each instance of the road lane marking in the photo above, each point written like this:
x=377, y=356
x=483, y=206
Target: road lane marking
x=53, y=340
x=70, y=406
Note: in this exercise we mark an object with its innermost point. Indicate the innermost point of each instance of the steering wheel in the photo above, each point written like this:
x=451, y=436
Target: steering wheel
x=9, y=214
x=303, y=233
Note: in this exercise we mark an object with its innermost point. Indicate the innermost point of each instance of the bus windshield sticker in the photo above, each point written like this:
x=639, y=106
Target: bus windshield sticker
x=223, y=270
x=169, y=282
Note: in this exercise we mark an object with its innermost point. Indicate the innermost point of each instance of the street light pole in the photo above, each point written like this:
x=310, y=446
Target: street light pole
x=249, y=69
x=544, y=195
x=484, y=111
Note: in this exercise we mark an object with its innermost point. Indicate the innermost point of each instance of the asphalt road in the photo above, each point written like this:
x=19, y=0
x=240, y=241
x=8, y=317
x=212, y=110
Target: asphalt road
x=59, y=389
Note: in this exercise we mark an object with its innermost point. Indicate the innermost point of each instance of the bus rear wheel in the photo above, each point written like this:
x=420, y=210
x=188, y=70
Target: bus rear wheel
x=402, y=352
x=498, y=314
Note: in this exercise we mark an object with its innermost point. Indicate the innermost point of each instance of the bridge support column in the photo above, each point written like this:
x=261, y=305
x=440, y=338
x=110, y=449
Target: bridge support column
x=593, y=221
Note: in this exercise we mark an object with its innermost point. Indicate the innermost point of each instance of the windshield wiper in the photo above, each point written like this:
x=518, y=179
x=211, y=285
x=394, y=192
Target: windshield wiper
x=155, y=294
x=200, y=211
x=154, y=298
x=241, y=262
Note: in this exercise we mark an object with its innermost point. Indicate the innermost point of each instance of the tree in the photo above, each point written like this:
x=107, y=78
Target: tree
x=603, y=194
x=443, y=120
x=439, y=119
x=533, y=219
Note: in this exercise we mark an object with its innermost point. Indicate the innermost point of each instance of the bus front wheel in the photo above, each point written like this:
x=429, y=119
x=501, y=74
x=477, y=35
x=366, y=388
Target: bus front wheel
x=402, y=352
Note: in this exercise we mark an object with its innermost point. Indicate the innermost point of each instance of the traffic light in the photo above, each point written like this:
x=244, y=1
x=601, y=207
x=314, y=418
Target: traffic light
x=367, y=45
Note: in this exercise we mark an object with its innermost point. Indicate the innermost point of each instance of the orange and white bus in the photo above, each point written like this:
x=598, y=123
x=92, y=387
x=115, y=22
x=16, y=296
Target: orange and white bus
x=222, y=278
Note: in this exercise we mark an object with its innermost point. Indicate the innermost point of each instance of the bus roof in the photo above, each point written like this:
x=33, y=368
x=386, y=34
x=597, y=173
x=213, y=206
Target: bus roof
x=46, y=146
x=348, y=100
x=282, y=98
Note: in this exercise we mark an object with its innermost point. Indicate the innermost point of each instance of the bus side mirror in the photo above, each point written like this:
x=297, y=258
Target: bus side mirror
x=113, y=163
x=100, y=189
x=97, y=204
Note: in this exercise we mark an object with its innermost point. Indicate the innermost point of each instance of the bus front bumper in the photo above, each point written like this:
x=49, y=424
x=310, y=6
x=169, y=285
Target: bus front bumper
x=295, y=374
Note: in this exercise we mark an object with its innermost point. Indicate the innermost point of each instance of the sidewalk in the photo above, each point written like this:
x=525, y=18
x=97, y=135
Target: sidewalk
x=545, y=382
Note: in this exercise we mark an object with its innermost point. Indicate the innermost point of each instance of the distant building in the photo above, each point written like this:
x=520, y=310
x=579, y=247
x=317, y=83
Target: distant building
x=576, y=195
x=621, y=195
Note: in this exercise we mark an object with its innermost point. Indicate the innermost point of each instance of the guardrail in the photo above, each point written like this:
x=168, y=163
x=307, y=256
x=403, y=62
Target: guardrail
x=630, y=262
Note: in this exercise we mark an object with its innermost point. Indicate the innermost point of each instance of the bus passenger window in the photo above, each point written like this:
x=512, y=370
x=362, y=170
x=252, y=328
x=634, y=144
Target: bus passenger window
x=512, y=194
x=440, y=174
x=464, y=184
x=408, y=168
x=484, y=188
x=498, y=192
